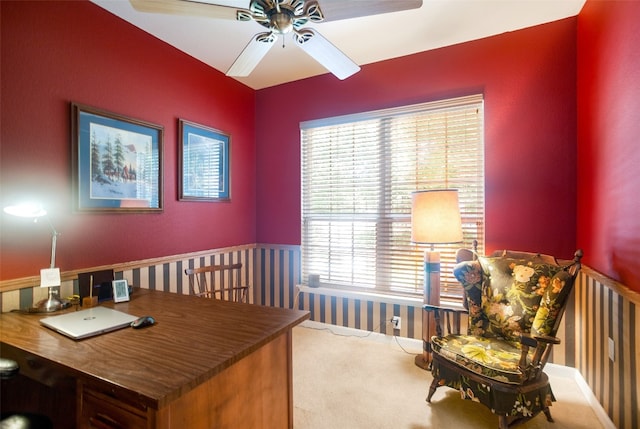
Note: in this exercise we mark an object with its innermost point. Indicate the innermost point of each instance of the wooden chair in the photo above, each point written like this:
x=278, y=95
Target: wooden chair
x=514, y=302
x=202, y=282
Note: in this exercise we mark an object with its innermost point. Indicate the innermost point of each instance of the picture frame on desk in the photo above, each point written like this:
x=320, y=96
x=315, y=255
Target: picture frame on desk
x=120, y=290
x=203, y=163
x=117, y=162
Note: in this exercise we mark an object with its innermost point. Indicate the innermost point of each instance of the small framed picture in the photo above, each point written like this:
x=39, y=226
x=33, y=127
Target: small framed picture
x=120, y=290
x=203, y=169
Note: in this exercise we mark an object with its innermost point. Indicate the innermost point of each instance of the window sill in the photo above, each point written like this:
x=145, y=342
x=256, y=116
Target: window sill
x=375, y=297
x=365, y=296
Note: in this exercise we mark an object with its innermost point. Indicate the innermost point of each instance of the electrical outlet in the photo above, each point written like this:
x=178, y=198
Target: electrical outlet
x=612, y=350
x=396, y=322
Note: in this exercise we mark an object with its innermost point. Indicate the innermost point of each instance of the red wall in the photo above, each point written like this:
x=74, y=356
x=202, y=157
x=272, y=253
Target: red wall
x=608, y=133
x=57, y=52
x=528, y=78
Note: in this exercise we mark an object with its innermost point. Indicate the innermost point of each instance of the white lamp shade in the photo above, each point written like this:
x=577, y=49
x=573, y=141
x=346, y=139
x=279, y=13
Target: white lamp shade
x=30, y=210
x=34, y=211
x=435, y=217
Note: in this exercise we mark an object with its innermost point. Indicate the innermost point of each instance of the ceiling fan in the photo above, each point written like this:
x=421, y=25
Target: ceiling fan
x=281, y=17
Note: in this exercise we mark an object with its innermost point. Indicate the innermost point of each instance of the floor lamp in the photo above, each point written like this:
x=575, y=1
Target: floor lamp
x=435, y=219
x=49, y=277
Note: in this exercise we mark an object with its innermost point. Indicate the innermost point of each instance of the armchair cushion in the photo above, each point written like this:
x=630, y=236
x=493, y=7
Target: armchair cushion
x=469, y=274
x=512, y=291
x=552, y=304
x=490, y=357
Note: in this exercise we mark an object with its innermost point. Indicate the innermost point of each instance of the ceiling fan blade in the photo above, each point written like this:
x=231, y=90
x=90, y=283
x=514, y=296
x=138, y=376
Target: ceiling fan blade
x=334, y=10
x=252, y=54
x=185, y=7
x=324, y=52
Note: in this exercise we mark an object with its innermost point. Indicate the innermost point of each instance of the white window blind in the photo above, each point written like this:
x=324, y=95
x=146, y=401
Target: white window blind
x=358, y=172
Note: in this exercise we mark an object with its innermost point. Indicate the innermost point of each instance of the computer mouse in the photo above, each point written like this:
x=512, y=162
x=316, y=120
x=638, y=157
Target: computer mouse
x=143, y=322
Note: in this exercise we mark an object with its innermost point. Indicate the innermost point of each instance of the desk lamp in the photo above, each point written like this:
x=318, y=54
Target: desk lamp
x=49, y=277
x=435, y=219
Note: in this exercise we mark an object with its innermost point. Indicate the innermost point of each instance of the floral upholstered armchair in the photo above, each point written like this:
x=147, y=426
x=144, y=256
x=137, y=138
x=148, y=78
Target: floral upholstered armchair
x=514, y=302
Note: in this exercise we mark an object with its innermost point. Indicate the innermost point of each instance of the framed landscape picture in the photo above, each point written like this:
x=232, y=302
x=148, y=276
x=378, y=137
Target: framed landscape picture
x=117, y=162
x=203, y=163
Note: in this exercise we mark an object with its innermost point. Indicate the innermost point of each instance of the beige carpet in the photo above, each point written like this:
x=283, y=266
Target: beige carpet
x=351, y=382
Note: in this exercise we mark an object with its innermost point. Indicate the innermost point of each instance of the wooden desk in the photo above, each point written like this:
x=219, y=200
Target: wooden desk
x=205, y=364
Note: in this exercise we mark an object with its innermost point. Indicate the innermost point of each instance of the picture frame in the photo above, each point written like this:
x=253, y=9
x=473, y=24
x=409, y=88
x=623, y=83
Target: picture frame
x=120, y=290
x=117, y=162
x=203, y=163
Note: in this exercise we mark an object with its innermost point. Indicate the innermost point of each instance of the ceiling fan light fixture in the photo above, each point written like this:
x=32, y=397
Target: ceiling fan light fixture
x=281, y=22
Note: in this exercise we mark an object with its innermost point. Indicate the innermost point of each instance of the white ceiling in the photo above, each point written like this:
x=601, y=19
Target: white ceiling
x=365, y=40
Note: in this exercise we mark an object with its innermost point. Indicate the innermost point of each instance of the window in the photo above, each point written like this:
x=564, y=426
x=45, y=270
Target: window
x=358, y=172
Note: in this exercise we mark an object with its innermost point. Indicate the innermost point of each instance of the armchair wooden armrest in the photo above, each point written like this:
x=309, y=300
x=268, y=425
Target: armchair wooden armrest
x=450, y=315
x=543, y=345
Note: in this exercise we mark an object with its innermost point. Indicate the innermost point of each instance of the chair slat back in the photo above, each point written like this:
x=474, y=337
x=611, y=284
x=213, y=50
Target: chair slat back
x=218, y=282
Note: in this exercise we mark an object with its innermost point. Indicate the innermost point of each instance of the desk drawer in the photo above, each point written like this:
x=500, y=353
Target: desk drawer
x=98, y=411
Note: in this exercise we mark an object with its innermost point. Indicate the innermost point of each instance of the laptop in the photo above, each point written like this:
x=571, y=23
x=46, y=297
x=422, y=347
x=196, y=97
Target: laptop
x=88, y=323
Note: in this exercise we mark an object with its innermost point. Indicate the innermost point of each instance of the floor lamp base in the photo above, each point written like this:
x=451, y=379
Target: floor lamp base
x=422, y=362
x=431, y=296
